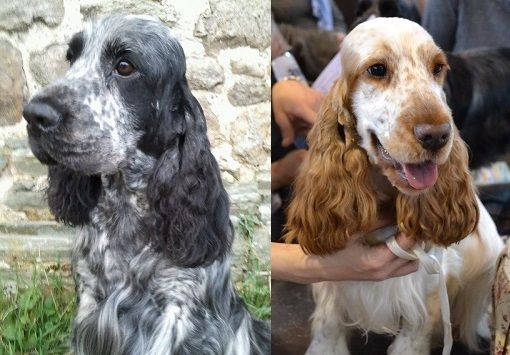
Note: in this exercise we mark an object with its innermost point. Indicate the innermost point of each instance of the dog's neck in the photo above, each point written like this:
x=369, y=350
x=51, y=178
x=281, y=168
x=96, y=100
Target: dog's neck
x=386, y=194
x=123, y=202
x=383, y=188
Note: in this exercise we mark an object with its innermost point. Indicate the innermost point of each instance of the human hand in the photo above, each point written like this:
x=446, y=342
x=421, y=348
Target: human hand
x=284, y=171
x=295, y=108
x=357, y=261
x=340, y=36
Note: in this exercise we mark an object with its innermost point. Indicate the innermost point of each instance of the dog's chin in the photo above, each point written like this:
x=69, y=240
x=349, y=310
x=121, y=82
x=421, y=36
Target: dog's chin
x=414, y=178
x=85, y=165
x=39, y=152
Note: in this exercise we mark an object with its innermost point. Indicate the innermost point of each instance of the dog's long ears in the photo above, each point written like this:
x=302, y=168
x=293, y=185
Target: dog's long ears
x=449, y=212
x=333, y=196
x=190, y=222
x=71, y=195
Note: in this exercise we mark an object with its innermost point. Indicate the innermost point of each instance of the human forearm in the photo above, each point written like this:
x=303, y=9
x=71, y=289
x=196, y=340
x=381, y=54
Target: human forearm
x=356, y=261
x=290, y=263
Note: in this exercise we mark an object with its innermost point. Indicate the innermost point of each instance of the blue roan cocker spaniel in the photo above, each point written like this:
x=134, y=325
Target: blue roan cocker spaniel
x=129, y=163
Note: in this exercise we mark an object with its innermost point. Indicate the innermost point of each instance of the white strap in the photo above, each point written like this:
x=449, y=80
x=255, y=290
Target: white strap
x=398, y=251
x=432, y=266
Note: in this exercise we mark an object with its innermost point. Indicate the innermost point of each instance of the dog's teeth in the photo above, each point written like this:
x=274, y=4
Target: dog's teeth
x=386, y=154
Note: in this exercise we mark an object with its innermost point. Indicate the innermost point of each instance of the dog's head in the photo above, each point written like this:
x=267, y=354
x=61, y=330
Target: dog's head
x=394, y=73
x=125, y=72
x=386, y=114
x=124, y=108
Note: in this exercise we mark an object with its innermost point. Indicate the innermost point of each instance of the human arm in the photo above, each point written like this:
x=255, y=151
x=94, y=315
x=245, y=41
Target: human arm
x=284, y=171
x=295, y=108
x=356, y=261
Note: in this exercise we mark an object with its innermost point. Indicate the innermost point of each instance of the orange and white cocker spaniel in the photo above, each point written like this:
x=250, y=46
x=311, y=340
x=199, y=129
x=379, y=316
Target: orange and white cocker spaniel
x=385, y=144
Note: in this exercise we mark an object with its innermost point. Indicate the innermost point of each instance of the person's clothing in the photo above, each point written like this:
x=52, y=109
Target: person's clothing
x=313, y=49
x=300, y=13
x=457, y=25
x=278, y=44
x=322, y=10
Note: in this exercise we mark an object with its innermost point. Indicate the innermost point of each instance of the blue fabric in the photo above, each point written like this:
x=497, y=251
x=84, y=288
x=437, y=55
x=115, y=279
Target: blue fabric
x=322, y=10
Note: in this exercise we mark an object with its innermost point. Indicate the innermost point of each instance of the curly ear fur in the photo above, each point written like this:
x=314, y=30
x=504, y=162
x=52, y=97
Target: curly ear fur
x=334, y=197
x=449, y=212
x=71, y=195
x=190, y=222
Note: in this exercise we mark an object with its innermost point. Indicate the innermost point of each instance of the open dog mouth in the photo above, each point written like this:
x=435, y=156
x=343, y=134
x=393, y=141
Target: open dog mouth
x=419, y=176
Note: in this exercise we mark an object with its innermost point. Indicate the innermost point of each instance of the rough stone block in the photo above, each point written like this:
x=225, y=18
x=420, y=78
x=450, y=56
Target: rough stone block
x=16, y=248
x=17, y=17
x=22, y=243
x=94, y=8
x=203, y=73
x=29, y=165
x=19, y=200
x=248, y=91
x=261, y=243
x=213, y=124
x=248, y=61
x=244, y=198
x=12, y=84
x=254, y=128
x=49, y=64
x=3, y=162
x=18, y=143
x=36, y=228
x=235, y=24
x=8, y=215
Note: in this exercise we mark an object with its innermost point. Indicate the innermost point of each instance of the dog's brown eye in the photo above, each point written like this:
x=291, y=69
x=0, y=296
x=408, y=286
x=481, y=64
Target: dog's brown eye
x=125, y=68
x=438, y=68
x=377, y=70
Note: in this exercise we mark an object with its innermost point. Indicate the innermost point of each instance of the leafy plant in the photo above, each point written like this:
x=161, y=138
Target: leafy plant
x=254, y=284
x=36, y=318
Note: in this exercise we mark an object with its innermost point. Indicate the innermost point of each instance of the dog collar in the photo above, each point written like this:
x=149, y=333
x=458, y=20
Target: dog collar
x=380, y=235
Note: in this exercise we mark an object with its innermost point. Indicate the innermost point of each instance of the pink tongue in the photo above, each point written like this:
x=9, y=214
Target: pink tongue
x=421, y=176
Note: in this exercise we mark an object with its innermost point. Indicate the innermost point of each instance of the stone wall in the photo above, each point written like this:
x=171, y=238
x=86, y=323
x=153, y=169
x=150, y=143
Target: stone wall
x=228, y=56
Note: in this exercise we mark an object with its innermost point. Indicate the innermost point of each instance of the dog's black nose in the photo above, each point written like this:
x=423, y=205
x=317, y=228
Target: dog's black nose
x=41, y=115
x=432, y=137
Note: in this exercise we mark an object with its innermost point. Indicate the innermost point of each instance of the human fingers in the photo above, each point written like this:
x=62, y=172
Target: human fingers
x=404, y=241
x=340, y=38
x=317, y=97
x=286, y=128
x=383, y=255
x=407, y=268
x=392, y=268
x=396, y=268
x=308, y=115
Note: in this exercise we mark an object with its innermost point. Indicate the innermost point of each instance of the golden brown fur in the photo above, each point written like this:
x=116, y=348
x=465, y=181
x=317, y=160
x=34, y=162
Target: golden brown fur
x=334, y=175
x=448, y=212
x=369, y=162
x=335, y=195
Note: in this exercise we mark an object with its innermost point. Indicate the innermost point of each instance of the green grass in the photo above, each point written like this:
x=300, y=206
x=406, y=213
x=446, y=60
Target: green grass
x=36, y=318
x=254, y=284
